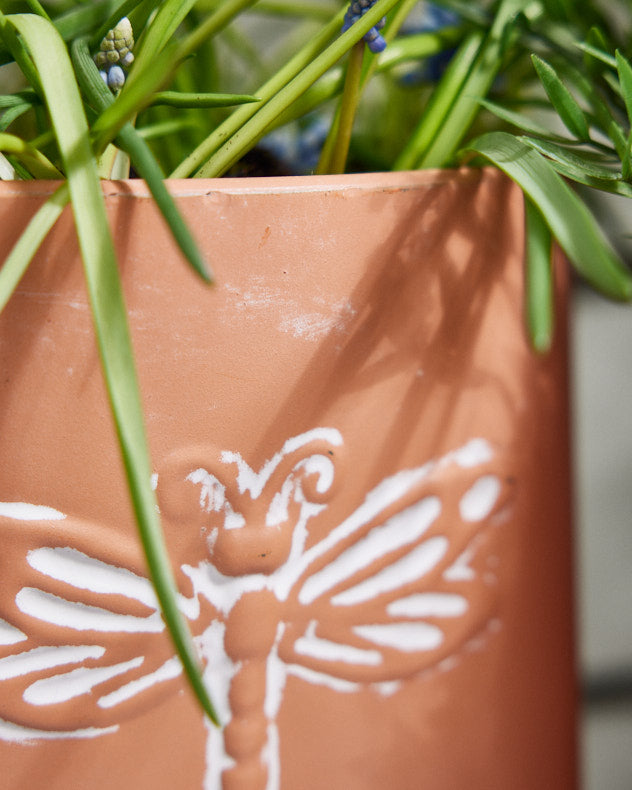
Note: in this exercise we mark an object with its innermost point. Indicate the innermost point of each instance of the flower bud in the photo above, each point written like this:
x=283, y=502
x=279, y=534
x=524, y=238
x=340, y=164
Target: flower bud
x=116, y=78
x=355, y=11
x=116, y=51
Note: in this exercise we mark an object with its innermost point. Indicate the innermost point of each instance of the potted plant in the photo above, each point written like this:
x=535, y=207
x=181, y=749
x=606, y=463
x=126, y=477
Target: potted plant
x=392, y=573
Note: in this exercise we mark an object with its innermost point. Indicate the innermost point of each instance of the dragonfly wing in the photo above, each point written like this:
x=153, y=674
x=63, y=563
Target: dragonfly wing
x=411, y=590
x=82, y=642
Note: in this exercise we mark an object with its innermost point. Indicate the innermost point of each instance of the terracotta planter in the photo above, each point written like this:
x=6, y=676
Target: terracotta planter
x=363, y=477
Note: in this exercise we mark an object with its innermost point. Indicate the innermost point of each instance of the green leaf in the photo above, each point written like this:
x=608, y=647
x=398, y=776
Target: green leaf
x=20, y=54
x=624, y=71
x=163, y=129
x=166, y=21
x=603, y=185
x=336, y=148
x=625, y=81
x=156, y=63
x=110, y=317
x=239, y=117
x=200, y=100
x=22, y=97
x=597, y=54
x=246, y=136
x=455, y=103
x=538, y=279
x=130, y=141
x=29, y=242
x=134, y=97
x=440, y=103
x=521, y=121
x=570, y=222
x=12, y=114
x=35, y=162
x=36, y=8
x=595, y=50
x=582, y=162
x=570, y=112
x=7, y=170
x=601, y=111
x=117, y=11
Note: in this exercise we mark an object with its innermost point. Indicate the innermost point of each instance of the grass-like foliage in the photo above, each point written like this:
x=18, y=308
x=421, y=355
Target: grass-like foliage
x=542, y=90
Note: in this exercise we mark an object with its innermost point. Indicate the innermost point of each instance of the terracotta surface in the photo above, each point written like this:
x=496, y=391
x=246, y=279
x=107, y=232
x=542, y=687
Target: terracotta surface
x=363, y=477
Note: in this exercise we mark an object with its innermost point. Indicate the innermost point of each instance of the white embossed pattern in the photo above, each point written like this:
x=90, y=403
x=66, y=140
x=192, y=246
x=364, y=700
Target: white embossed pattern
x=389, y=592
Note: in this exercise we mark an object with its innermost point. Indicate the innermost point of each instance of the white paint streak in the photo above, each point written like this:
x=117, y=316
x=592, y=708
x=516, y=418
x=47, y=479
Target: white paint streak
x=254, y=482
x=213, y=498
x=377, y=500
x=88, y=573
x=271, y=758
x=460, y=570
x=388, y=687
x=326, y=650
x=23, y=511
x=408, y=569
x=478, y=502
x=276, y=677
x=218, y=675
x=278, y=511
x=321, y=679
x=429, y=605
x=475, y=452
x=311, y=326
x=220, y=669
x=398, y=531
x=45, y=658
x=406, y=637
x=61, y=688
x=10, y=635
x=81, y=617
x=169, y=670
x=14, y=733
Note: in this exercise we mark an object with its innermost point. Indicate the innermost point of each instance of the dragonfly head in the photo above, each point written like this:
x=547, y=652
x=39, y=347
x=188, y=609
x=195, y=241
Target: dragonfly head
x=245, y=522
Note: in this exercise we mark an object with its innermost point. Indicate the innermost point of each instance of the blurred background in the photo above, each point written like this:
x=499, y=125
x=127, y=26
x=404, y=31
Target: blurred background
x=602, y=403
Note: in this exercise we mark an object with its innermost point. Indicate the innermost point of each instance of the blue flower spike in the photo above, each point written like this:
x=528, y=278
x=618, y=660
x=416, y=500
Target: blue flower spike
x=115, y=52
x=374, y=40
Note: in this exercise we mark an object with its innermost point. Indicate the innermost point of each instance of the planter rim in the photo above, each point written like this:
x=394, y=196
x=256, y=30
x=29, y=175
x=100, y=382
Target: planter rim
x=191, y=187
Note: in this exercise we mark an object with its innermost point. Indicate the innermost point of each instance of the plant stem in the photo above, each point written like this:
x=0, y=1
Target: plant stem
x=440, y=103
x=249, y=134
x=36, y=8
x=456, y=101
x=370, y=65
x=337, y=160
x=538, y=279
x=269, y=89
x=130, y=141
x=109, y=313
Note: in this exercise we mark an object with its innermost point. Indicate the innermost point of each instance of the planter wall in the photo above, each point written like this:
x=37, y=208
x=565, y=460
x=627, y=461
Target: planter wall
x=363, y=477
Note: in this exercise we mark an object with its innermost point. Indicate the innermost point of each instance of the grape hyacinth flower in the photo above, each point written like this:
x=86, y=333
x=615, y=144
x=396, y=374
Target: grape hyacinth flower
x=430, y=18
x=298, y=145
x=115, y=52
x=373, y=38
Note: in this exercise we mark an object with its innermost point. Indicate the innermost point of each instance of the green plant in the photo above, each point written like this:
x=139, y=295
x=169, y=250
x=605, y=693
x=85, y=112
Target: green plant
x=464, y=89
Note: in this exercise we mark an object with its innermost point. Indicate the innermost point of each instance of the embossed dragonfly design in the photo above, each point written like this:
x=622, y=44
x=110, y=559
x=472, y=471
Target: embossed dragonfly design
x=386, y=593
